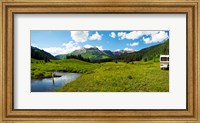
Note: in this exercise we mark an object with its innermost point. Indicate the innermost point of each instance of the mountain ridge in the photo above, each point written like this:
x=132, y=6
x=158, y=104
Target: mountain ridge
x=40, y=54
x=94, y=54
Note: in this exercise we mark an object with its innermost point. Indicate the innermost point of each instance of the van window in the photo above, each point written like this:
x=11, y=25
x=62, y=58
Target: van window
x=164, y=58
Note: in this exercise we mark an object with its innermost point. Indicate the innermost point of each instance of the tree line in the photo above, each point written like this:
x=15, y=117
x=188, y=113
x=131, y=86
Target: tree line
x=79, y=57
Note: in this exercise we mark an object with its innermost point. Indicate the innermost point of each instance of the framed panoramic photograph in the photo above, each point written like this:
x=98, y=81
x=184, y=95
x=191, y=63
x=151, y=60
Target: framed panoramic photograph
x=96, y=61
x=99, y=61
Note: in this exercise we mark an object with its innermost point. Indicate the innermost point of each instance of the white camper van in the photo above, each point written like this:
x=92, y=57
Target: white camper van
x=164, y=61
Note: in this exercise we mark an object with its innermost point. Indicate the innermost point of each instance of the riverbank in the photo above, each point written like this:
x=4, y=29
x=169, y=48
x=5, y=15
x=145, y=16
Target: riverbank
x=41, y=69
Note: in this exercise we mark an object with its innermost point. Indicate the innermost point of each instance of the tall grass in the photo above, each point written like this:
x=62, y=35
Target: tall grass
x=107, y=77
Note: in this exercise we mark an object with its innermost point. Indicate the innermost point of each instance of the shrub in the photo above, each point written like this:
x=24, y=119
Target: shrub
x=130, y=77
x=145, y=59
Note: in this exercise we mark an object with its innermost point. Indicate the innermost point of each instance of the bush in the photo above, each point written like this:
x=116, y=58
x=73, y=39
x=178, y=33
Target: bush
x=130, y=77
x=145, y=59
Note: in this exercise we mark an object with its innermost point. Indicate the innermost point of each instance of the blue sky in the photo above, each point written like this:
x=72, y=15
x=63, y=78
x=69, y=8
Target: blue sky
x=64, y=41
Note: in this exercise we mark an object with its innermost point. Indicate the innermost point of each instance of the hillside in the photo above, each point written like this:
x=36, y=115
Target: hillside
x=61, y=56
x=39, y=54
x=92, y=53
x=156, y=51
x=147, y=53
x=109, y=53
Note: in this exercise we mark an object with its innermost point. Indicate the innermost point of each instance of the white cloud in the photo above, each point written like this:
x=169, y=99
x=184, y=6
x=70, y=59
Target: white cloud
x=128, y=49
x=67, y=48
x=153, y=36
x=55, y=50
x=96, y=36
x=146, y=40
x=134, y=44
x=132, y=35
x=150, y=32
x=79, y=36
x=71, y=46
x=87, y=46
x=156, y=37
x=122, y=35
x=112, y=35
x=100, y=47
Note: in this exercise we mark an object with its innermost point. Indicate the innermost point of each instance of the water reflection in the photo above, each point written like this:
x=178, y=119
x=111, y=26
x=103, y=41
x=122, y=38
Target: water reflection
x=50, y=84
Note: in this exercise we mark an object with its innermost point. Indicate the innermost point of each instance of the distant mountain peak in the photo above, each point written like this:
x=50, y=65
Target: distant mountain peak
x=120, y=52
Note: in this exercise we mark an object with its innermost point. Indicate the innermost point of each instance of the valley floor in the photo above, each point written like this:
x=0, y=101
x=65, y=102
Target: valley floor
x=106, y=77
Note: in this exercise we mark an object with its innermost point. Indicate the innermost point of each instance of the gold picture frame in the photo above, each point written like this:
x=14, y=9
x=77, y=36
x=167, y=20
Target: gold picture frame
x=10, y=7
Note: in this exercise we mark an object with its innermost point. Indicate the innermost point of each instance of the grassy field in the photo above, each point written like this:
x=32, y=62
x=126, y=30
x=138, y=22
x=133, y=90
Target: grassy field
x=106, y=77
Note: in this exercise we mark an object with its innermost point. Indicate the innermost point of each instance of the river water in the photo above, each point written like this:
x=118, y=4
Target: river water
x=50, y=84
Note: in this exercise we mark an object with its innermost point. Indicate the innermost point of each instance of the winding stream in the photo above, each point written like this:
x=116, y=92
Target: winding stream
x=50, y=84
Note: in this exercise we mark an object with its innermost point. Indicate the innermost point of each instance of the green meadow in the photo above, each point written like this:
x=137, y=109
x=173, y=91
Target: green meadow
x=138, y=76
